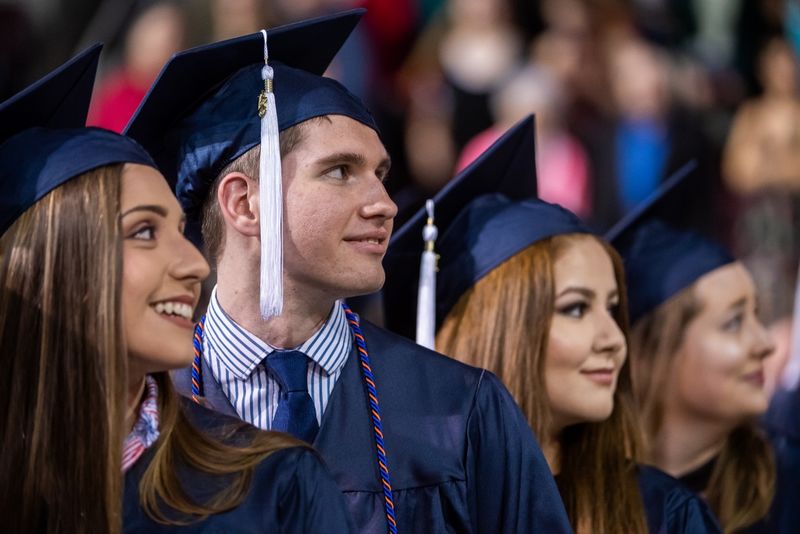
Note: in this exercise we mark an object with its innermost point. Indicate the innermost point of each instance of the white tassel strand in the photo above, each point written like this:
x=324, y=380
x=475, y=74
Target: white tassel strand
x=270, y=200
x=426, y=297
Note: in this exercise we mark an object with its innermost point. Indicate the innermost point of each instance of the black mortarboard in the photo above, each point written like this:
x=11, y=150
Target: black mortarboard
x=485, y=215
x=660, y=260
x=44, y=139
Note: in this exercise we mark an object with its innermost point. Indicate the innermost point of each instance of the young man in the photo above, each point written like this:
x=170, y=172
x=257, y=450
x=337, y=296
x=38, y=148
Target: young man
x=417, y=442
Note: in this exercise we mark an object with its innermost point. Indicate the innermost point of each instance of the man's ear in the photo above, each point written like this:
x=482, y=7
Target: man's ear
x=237, y=196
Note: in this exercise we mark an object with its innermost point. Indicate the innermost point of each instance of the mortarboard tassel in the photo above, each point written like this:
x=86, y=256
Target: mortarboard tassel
x=426, y=298
x=270, y=201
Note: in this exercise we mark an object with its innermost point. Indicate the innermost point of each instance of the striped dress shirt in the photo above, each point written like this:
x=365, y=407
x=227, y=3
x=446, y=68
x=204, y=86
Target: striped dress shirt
x=236, y=358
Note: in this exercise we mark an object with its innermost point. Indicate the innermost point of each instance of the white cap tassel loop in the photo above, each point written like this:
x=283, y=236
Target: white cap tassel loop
x=270, y=200
x=426, y=298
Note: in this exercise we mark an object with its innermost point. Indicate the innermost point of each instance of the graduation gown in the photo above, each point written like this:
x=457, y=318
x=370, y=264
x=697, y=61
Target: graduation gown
x=290, y=492
x=671, y=508
x=461, y=456
x=782, y=423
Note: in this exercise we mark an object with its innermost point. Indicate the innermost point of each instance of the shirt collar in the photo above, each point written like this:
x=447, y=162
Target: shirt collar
x=145, y=431
x=241, y=351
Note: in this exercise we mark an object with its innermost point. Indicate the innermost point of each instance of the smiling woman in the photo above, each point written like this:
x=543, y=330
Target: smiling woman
x=555, y=337
x=700, y=381
x=162, y=275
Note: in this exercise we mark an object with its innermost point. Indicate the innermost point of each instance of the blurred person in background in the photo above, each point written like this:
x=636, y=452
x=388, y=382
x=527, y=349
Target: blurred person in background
x=561, y=161
x=764, y=146
x=468, y=51
x=569, y=47
x=232, y=18
x=762, y=166
x=155, y=34
x=698, y=354
x=646, y=138
x=479, y=50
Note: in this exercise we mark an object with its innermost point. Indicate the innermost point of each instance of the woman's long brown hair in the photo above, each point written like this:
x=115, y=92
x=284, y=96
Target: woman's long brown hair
x=502, y=324
x=64, y=383
x=742, y=484
x=232, y=451
x=64, y=365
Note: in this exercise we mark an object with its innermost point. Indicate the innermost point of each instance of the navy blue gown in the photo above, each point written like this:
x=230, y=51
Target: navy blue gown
x=290, y=492
x=671, y=508
x=462, y=457
x=782, y=423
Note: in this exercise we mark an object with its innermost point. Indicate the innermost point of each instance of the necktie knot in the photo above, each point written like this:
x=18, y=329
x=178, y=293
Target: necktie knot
x=290, y=368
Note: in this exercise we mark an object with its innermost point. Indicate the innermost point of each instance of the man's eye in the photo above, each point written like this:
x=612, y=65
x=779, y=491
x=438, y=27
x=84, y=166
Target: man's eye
x=337, y=173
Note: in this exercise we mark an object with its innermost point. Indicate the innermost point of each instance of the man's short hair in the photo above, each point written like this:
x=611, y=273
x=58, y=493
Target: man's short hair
x=213, y=225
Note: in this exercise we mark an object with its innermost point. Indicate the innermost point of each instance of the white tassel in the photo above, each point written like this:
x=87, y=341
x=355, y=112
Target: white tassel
x=426, y=297
x=270, y=199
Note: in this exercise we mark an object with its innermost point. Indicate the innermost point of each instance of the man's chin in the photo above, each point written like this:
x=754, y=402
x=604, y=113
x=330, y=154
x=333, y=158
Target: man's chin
x=366, y=286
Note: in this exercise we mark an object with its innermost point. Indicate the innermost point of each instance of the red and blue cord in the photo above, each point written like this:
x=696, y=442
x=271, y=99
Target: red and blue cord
x=369, y=381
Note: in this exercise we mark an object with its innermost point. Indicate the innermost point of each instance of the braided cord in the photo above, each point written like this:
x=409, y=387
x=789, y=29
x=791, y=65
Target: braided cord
x=197, y=377
x=369, y=381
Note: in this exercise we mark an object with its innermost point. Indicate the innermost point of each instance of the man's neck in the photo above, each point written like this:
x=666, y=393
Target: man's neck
x=302, y=314
x=685, y=443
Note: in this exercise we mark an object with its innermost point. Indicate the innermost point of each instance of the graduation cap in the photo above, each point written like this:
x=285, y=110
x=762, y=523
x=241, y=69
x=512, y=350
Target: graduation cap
x=661, y=260
x=485, y=215
x=44, y=139
x=213, y=103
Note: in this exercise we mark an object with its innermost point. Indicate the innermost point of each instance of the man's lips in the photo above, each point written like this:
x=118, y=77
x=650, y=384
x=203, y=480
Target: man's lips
x=374, y=241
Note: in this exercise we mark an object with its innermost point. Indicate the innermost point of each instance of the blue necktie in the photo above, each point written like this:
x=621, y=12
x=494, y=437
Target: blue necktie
x=295, y=413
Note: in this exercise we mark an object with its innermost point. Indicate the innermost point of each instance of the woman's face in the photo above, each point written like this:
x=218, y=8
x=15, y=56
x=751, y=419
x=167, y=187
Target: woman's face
x=161, y=276
x=719, y=367
x=586, y=347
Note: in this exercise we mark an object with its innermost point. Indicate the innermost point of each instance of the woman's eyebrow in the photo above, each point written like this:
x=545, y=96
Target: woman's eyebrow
x=741, y=303
x=158, y=210
x=586, y=292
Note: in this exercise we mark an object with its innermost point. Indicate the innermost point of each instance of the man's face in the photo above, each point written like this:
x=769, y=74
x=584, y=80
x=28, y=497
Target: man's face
x=338, y=216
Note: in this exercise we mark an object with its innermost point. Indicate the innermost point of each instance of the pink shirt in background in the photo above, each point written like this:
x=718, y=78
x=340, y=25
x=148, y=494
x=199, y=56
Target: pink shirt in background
x=116, y=101
x=562, y=168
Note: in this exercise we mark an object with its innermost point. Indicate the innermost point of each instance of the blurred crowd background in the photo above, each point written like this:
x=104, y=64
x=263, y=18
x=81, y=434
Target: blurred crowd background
x=624, y=93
